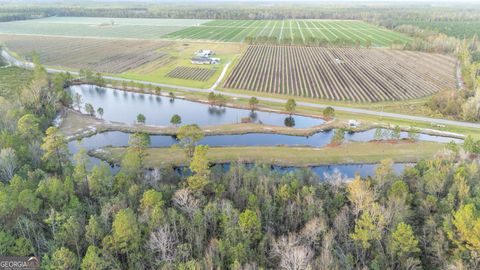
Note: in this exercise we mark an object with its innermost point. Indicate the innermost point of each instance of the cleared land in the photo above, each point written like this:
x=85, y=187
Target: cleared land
x=181, y=53
x=145, y=60
x=192, y=73
x=346, y=74
x=102, y=55
x=291, y=31
x=98, y=27
x=288, y=156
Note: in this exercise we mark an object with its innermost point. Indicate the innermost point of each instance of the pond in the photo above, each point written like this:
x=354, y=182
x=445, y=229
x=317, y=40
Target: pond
x=117, y=139
x=346, y=170
x=124, y=106
x=320, y=139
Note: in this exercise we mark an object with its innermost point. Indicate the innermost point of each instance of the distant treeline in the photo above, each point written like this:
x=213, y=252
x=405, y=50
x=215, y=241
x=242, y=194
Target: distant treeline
x=6, y=17
x=383, y=12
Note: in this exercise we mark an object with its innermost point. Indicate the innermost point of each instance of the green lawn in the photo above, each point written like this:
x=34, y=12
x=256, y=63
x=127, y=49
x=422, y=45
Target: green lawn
x=181, y=53
x=296, y=31
x=348, y=153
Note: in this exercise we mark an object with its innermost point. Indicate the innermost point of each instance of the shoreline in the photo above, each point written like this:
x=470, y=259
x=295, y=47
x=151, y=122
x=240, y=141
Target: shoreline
x=90, y=126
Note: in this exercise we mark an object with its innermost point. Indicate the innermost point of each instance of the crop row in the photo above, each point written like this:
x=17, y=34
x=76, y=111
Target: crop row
x=297, y=31
x=192, y=73
x=102, y=55
x=365, y=75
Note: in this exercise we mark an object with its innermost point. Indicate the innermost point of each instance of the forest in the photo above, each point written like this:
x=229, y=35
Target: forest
x=77, y=216
x=73, y=214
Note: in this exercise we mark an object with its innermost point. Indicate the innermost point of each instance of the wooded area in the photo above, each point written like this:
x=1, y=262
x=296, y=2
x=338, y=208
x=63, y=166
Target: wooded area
x=75, y=217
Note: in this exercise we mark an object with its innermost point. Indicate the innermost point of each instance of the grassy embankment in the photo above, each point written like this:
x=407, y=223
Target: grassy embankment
x=76, y=126
x=347, y=153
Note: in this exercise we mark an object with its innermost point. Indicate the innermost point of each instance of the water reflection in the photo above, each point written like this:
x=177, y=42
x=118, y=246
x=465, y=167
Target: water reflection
x=126, y=106
x=217, y=111
x=289, y=122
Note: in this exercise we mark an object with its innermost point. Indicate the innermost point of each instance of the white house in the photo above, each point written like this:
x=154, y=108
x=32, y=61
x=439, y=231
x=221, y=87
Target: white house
x=204, y=60
x=205, y=53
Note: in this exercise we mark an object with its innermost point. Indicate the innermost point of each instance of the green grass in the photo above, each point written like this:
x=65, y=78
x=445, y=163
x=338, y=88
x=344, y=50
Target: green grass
x=98, y=27
x=459, y=29
x=348, y=153
x=12, y=80
x=298, y=31
x=181, y=54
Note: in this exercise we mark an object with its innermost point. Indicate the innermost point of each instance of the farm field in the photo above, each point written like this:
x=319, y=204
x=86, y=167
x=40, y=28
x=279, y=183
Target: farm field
x=101, y=55
x=192, y=73
x=98, y=27
x=273, y=31
x=459, y=29
x=181, y=52
x=291, y=31
x=343, y=74
x=146, y=60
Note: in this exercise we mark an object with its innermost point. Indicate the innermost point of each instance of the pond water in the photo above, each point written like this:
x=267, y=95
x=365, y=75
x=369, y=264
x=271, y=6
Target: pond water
x=320, y=139
x=124, y=106
x=117, y=139
x=346, y=170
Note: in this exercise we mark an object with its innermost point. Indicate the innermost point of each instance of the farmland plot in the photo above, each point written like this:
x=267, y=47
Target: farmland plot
x=291, y=31
x=98, y=27
x=364, y=75
x=192, y=73
x=102, y=55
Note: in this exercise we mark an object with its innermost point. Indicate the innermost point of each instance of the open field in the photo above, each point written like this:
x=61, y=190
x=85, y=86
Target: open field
x=98, y=27
x=459, y=29
x=192, y=73
x=350, y=153
x=291, y=31
x=102, y=55
x=181, y=52
x=276, y=31
x=146, y=60
x=347, y=74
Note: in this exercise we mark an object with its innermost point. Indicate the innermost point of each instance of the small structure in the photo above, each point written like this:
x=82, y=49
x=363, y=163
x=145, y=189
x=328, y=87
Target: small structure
x=205, y=53
x=205, y=60
x=353, y=123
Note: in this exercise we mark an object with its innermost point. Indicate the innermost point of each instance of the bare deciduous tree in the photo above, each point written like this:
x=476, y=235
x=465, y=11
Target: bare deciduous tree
x=163, y=242
x=326, y=260
x=8, y=163
x=185, y=201
x=293, y=255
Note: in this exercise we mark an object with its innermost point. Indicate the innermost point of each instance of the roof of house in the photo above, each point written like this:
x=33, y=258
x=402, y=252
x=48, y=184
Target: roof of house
x=201, y=59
